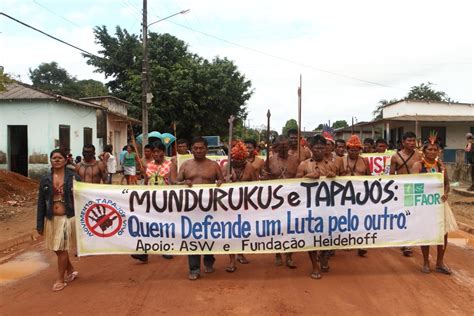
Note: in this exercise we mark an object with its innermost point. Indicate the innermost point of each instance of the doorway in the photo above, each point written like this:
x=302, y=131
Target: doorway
x=65, y=138
x=18, y=149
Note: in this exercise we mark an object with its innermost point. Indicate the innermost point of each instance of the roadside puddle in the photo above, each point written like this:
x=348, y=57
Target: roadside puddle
x=22, y=266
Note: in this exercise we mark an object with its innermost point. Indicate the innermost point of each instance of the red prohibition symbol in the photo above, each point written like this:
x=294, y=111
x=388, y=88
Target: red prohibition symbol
x=103, y=220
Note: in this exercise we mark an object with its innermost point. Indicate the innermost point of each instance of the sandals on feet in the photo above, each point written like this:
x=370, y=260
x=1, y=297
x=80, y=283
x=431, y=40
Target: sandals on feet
x=316, y=275
x=71, y=277
x=242, y=260
x=231, y=269
x=193, y=276
x=443, y=269
x=209, y=269
x=425, y=269
x=407, y=252
x=58, y=286
x=278, y=261
x=290, y=264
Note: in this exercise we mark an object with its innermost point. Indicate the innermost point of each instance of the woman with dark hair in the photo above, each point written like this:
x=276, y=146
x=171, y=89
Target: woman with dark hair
x=55, y=218
x=430, y=164
x=130, y=163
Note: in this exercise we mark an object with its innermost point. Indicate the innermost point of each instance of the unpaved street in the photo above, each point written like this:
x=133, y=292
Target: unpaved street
x=383, y=283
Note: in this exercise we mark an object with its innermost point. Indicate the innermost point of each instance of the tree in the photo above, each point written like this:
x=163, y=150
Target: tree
x=339, y=124
x=378, y=112
x=51, y=77
x=290, y=124
x=4, y=80
x=426, y=93
x=198, y=94
x=319, y=128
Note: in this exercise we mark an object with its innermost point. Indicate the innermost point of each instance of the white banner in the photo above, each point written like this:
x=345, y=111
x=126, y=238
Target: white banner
x=379, y=163
x=260, y=217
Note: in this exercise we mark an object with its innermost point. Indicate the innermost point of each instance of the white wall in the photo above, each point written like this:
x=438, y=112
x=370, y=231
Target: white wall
x=427, y=108
x=43, y=118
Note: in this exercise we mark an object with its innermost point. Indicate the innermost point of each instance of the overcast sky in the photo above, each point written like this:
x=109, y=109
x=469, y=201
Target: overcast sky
x=389, y=46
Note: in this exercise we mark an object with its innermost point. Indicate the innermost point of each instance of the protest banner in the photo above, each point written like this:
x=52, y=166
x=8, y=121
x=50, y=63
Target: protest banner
x=260, y=217
x=379, y=163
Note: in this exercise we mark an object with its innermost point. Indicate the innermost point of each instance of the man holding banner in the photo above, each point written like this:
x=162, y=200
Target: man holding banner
x=402, y=162
x=200, y=170
x=282, y=166
x=314, y=168
x=354, y=165
x=240, y=171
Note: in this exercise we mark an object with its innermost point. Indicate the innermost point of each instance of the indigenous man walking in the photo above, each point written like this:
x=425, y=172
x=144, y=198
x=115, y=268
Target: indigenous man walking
x=355, y=165
x=314, y=168
x=252, y=158
x=200, y=170
x=241, y=170
x=282, y=166
x=402, y=162
x=89, y=169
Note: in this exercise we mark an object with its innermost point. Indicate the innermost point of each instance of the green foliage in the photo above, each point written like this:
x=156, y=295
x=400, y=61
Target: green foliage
x=339, y=124
x=378, y=112
x=51, y=77
x=4, y=79
x=423, y=92
x=290, y=124
x=426, y=93
x=319, y=128
x=198, y=94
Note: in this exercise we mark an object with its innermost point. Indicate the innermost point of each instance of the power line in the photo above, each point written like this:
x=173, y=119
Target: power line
x=285, y=59
x=54, y=13
x=49, y=35
x=62, y=41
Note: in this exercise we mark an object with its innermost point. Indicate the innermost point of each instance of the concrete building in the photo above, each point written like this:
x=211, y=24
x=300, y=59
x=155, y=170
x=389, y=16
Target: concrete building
x=34, y=122
x=116, y=120
x=450, y=120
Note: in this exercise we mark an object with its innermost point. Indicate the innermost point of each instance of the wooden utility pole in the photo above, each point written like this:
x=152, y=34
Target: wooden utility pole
x=229, y=148
x=299, y=118
x=146, y=96
x=267, y=159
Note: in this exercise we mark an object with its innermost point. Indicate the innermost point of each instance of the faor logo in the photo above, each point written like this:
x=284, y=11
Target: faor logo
x=415, y=195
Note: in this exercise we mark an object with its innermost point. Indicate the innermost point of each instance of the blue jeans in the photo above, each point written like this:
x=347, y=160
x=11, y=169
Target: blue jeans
x=195, y=263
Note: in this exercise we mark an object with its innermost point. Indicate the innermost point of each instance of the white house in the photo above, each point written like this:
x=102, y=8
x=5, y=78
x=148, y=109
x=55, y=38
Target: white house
x=117, y=120
x=34, y=122
x=450, y=120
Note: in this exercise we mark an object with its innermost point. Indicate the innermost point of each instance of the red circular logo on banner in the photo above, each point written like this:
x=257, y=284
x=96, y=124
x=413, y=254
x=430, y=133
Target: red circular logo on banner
x=103, y=220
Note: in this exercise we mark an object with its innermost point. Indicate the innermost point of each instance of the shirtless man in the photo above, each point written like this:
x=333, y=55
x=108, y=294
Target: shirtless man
x=402, y=162
x=89, y=169
x=282, y=166
x=294, y=142
x=368, y=146
x=314, y=168
x=252, y=158
x=241, y=170
x=354, y=165
x=331, y=156
x=199, y=170
x=340, y=149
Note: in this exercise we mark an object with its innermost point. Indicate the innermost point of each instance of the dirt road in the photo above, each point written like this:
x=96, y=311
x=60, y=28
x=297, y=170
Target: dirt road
x=383, y=283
